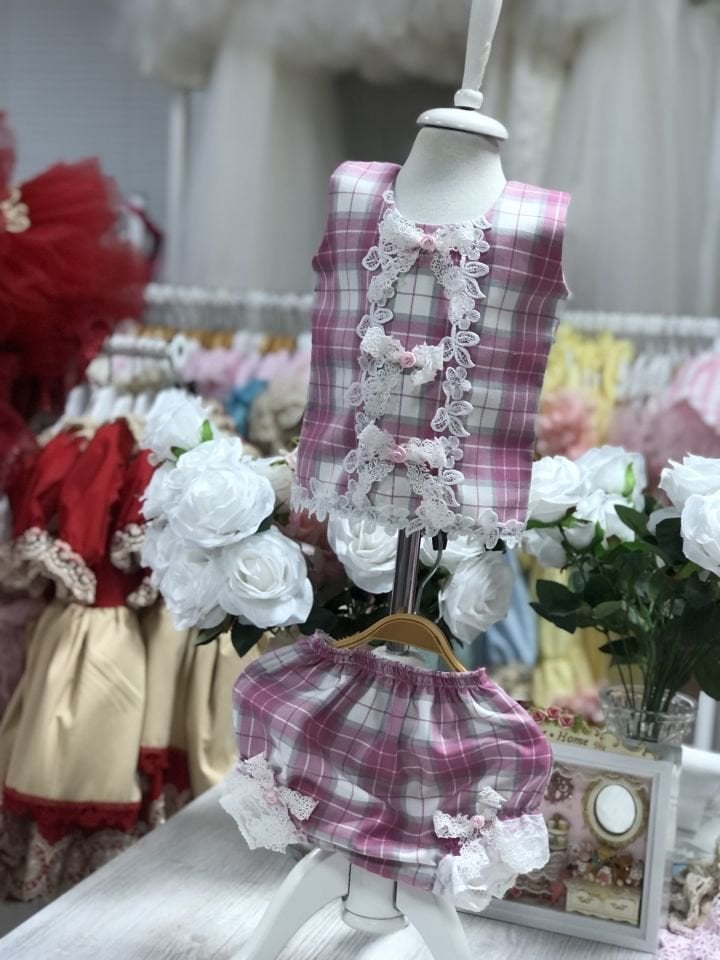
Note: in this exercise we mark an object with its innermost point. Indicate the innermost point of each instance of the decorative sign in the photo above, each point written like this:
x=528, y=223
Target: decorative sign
x=609, y=813
x=562, y=726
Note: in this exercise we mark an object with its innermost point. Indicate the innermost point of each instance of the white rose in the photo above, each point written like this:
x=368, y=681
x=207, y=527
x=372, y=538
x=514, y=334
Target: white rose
x=159, y=494
x=263, y=580
x=476, y=596
x=187, y=584
x=599, y=508
x=546, y=545
x=278, y=471
x=580, y=535
x=557, y=485
x=158, y=547
x=368, y=557
x=695, y=475
x=614, y=470
x=217, y=499
x=458, y=548
x=175, y=420
x=700, y=527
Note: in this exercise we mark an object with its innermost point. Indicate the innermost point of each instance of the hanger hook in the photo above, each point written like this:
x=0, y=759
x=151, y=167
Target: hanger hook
x=439, y=542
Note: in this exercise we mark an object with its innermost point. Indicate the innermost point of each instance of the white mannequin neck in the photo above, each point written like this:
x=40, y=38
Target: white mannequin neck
x=449, y=177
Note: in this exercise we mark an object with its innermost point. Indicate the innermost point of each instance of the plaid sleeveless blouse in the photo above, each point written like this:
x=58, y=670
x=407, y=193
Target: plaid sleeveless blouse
x=429, y=350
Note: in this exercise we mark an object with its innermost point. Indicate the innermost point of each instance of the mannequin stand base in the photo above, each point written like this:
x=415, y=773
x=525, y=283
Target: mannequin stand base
x=371, y=904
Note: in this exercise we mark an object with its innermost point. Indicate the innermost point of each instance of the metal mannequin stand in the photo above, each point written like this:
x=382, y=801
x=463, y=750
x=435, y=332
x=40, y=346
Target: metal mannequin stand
x=370, y=903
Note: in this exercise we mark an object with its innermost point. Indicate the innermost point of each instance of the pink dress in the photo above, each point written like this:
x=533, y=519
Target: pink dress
x=429, y=350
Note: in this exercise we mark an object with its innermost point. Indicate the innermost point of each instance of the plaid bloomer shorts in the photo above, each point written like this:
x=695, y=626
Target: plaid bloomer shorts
x=429, y=778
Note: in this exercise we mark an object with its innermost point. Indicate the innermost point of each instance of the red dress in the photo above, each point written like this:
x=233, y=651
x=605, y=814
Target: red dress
x=118, y=719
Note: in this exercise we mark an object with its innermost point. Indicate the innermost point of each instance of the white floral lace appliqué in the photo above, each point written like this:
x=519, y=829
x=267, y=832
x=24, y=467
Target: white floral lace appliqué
x=492, y=852
x=261, y=809
x=430, y=465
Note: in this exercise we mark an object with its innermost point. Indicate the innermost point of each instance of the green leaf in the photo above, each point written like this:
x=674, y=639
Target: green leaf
x=697, y=593
x=660, y=586
x=320, y=618
x=567, y=622
x=599, y=589
x=533, y=524
x=576, y=581
x=265, y=525
x=603, y=611
x=206, y=431
x=636, y=546
x=630, y=563
x=687, y=570
x=584, y=616
x=177, y=452
x=623, y=651
x=669, y=540
x=244, y=636
x=208, y=634
x=700, y=626
x=708, y=674
x=556, y=597
x=632, y=518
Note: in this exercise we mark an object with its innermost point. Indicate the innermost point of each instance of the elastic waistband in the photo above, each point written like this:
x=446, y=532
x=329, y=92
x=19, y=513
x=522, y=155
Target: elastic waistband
x=366, y=662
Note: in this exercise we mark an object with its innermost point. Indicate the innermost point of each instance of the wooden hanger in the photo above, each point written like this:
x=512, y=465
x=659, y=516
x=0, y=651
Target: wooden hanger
x=406, y=628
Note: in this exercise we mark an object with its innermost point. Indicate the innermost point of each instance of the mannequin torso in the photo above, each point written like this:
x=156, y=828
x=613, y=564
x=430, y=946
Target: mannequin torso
x=449, y=177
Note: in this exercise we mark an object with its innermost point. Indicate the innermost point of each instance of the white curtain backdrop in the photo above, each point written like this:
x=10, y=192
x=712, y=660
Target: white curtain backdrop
x=616, y=101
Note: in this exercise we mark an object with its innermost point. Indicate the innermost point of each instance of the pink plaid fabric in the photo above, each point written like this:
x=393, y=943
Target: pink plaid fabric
x=382, y=747
x=520, y=281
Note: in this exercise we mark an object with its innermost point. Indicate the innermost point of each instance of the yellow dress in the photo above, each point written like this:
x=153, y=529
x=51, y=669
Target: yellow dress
x=118, y=721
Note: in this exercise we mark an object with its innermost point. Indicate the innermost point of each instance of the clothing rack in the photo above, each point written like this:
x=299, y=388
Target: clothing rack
x=195, y=307
x=192, y=307
x=174, y=353
x=645, y=326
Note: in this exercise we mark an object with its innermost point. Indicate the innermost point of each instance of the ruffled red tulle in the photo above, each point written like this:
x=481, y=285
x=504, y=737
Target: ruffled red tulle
x=65, y=280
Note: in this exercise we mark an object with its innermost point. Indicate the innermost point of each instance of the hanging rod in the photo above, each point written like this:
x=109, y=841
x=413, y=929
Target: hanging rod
x=195, y=307
x=643, y=325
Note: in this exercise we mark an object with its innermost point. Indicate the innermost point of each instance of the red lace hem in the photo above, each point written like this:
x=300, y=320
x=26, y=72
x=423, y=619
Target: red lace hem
x=55, y=818
x=163, y=766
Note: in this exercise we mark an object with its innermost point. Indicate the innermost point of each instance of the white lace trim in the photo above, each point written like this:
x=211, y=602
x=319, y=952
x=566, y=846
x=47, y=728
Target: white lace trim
x=125, y=547
x=35, y=557
x=261, y=809
x=491, y=854
x=486, y=531
x=144, y=596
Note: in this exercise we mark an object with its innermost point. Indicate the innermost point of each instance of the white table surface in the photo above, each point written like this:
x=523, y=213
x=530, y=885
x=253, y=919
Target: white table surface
x=191, y=890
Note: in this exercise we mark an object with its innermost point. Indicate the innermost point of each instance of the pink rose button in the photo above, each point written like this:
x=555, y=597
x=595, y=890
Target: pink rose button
x=407, y=360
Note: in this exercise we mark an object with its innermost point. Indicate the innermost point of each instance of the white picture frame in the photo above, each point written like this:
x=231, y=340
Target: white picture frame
x=661, y=777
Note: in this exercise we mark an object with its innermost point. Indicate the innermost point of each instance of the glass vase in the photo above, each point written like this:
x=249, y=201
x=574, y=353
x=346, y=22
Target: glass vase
x=662, y=732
